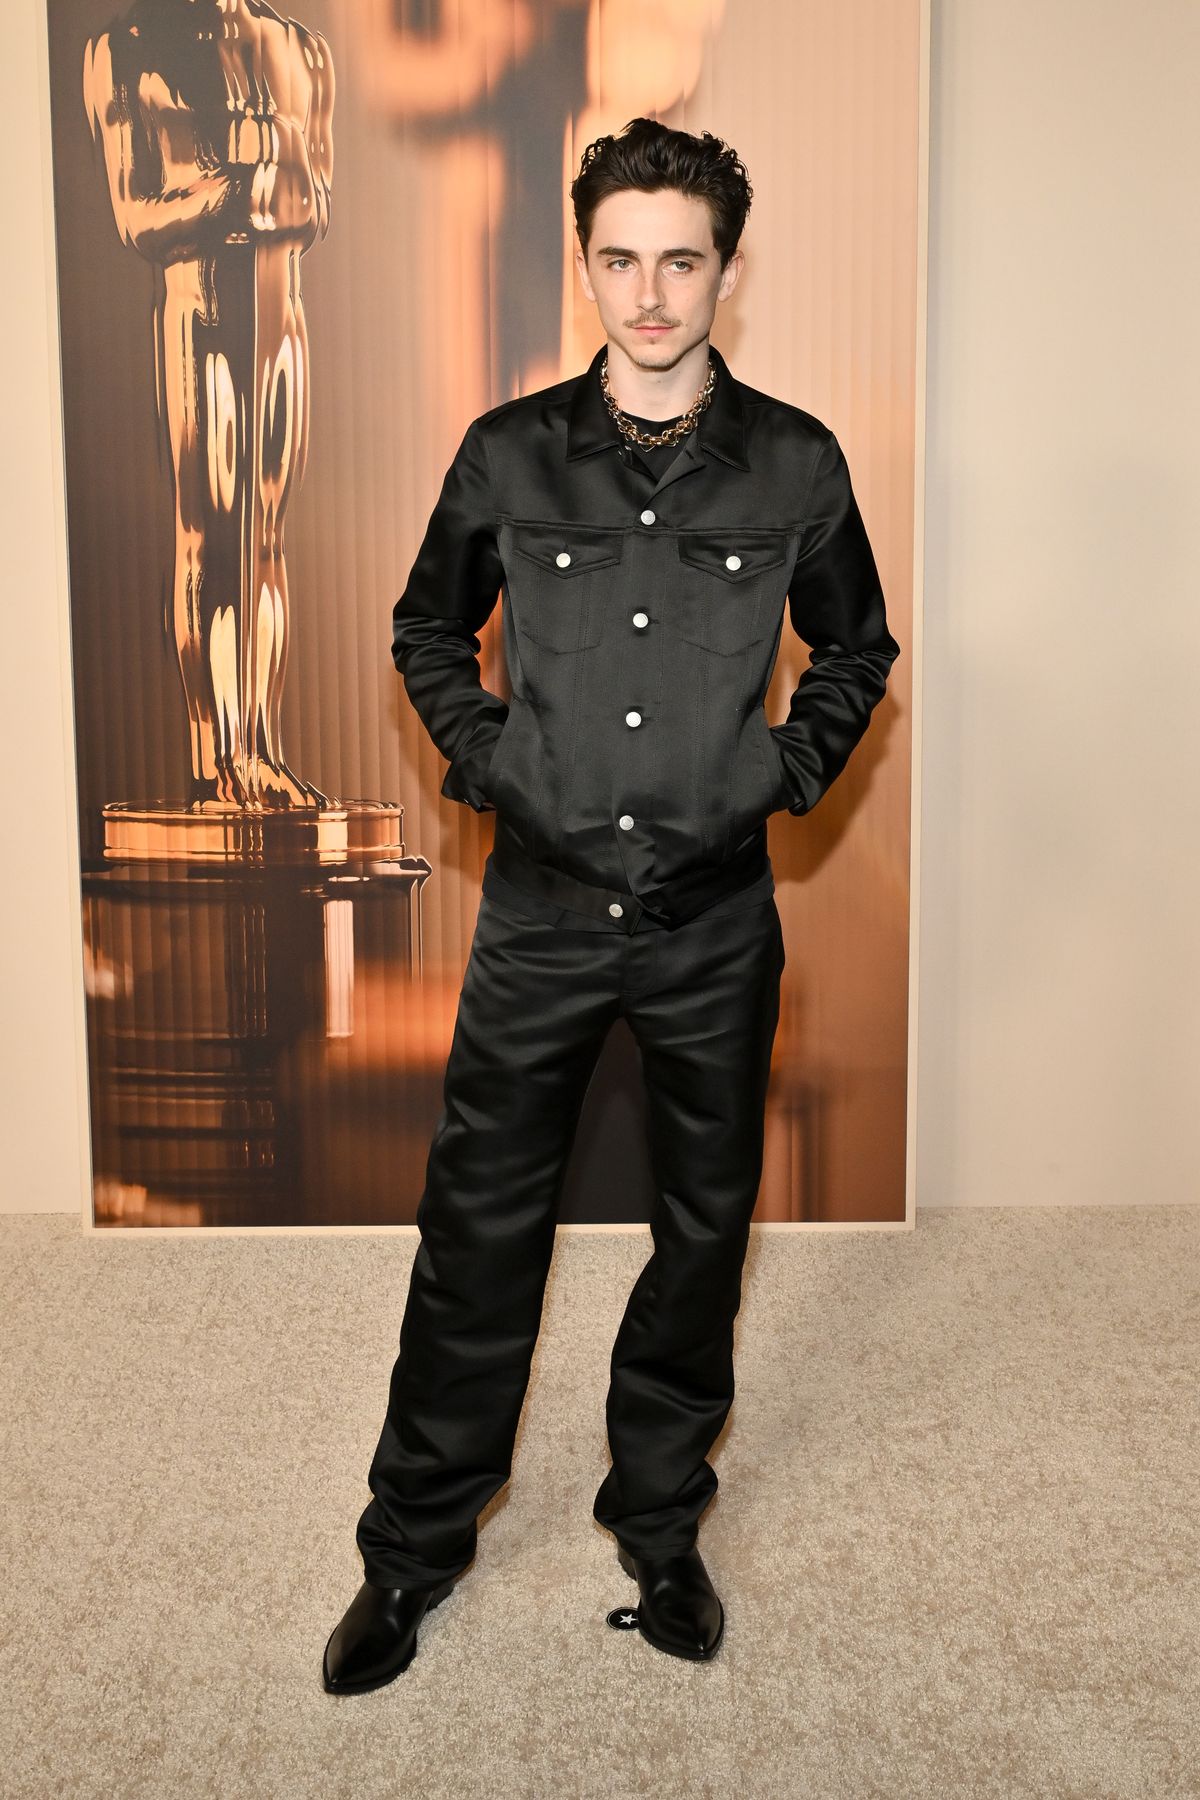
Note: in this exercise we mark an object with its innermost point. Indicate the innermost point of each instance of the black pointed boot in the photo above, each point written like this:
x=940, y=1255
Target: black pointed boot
x=376, y=1638
x=680, y=1612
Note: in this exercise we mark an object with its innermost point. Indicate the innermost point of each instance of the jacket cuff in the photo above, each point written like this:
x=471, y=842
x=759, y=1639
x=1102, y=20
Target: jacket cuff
x=466, y=778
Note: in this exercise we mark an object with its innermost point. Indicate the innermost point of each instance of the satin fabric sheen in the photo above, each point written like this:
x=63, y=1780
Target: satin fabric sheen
x=537, y=1002
x=651, y=463
x=632, y=775
x=642, y=620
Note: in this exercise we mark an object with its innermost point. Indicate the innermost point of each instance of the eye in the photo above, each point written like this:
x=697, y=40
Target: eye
x=680, y=263
x=613, y=261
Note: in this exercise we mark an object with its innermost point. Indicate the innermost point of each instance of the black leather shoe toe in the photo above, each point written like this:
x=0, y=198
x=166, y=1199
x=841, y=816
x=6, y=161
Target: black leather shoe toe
x=376, y=1638
x=680, y=1612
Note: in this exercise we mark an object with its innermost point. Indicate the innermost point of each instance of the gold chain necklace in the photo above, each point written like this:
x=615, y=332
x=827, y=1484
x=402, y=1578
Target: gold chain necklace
x=673, y=433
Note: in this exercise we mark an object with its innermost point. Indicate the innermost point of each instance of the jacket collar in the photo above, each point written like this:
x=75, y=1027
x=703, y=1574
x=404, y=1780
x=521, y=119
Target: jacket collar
x=720, y=429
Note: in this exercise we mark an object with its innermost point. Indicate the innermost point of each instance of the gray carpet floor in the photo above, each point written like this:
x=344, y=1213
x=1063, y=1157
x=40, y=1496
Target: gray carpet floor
x=957, y=1535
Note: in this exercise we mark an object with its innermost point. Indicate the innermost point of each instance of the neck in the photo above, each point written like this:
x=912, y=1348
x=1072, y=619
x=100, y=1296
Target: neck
x=656, y=393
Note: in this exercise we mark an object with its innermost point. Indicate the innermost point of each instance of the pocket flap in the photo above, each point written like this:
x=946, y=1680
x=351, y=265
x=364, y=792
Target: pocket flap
x=568, y=550
x=731, y=554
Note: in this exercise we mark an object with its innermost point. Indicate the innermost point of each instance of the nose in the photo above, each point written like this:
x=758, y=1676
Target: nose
x=649, y=298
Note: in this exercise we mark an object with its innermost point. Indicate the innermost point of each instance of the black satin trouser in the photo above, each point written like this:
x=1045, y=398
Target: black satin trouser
x=537, y=1001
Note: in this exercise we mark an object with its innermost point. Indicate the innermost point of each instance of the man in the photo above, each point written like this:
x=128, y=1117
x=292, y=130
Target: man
x=648, y=522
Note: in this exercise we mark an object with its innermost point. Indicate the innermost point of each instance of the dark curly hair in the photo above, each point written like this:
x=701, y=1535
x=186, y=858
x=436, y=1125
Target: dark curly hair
x=652, y=156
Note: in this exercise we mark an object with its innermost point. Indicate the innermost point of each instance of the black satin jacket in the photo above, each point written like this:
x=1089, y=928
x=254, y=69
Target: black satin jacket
x=634, y=768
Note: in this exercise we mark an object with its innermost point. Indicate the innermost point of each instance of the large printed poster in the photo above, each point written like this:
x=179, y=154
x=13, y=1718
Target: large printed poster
x=296, y=256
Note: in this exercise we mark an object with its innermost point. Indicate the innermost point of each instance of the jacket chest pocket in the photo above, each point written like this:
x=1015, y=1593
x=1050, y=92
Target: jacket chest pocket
x=731, y=583
x=558, y=580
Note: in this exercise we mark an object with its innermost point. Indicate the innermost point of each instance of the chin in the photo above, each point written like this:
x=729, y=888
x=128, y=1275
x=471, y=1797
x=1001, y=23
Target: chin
x=661, y=354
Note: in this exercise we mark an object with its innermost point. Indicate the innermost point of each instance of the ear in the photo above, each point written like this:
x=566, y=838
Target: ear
x=581, y=265
x=730, y=274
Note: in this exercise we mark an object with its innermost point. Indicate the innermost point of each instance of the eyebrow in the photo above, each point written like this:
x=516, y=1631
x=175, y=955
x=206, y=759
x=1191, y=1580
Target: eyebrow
x=682, y=250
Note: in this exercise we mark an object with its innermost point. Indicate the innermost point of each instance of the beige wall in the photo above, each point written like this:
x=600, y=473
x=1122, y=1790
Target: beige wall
x=1060, y=981
x=43, y=1099
x=1059, y=859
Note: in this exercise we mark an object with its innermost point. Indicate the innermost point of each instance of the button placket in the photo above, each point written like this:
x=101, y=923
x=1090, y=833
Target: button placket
x=633, y=718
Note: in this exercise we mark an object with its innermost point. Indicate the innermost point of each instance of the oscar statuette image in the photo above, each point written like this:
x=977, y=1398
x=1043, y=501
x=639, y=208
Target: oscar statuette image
x=224, y=925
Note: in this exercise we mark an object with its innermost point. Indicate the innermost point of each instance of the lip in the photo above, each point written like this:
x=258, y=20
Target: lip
x=653, y=330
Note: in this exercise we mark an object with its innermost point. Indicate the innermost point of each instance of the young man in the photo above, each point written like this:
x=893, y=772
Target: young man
x=648, y=522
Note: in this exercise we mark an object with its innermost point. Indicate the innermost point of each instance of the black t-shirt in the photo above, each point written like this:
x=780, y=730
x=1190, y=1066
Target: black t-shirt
x=660, y=456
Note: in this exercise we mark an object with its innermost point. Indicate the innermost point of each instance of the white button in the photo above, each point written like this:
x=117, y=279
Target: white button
x=647, y=517
x=626, y=821
x=633, y=718
x=641, y=620
x=563, y=558
x=731, y=562
x=617, y=910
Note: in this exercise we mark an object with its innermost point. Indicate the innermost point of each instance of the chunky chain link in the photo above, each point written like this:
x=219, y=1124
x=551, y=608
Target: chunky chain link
x=673, y=433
